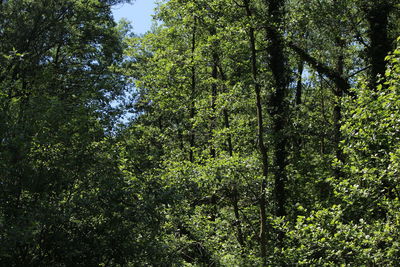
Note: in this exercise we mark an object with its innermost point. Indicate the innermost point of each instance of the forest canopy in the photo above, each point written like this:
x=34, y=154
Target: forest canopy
x=234, y=133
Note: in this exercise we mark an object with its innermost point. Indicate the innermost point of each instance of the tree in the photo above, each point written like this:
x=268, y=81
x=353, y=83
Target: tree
x=235, y=133
x=64, y=198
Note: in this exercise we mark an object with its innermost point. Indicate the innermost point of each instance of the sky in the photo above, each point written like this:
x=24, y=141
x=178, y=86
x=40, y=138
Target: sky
x=139, y=13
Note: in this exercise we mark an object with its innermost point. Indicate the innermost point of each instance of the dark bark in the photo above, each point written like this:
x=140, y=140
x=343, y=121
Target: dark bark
x=279, y=107
x=297, y=138
x=321, y=68
x=229, y=137
x=323, y=111
x=214, y=88
x=380, y=45
x=337, y=110
x=214, y=75
x=299, y=86
x=238, y=223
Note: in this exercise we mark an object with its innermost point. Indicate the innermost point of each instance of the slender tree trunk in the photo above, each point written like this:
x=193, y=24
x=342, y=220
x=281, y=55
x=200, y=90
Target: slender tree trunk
x=229, y=136
x=192, y=93
x=323, y=111
x=299, y=86
x=337, y=109
x=297, y=138
x=214, y=86
x=235, y=193
x=261, y=144
x=214, y=75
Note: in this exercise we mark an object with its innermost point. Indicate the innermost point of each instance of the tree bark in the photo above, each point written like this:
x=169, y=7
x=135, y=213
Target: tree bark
x=297, y=138
x=299, y=86
x=380, y=45
x=332, y=75
x=192, y=93
x=279, y=107
x=260, y=133
x=214, y=88
x=337, y=109
x=235, y=193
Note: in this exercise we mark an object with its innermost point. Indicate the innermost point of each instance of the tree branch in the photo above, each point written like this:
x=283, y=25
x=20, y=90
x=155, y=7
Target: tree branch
x=322, y=69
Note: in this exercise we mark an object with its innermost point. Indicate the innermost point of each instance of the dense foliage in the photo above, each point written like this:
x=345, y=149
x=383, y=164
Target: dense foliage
x=235, y=133
x=64, y=197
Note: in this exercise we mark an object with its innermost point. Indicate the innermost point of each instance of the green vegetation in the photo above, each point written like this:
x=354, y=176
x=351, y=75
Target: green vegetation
x=235, y=133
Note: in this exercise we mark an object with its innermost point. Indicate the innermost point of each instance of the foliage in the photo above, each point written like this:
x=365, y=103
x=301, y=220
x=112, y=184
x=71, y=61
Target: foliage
x=229, y=135
x=363, y=229
x=64, y=198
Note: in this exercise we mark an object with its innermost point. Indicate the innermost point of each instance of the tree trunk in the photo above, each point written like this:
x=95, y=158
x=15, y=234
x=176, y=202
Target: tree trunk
x=214, y=86
x=299, y=86
x=192, y=94
x=261, y=144
x=235, y=193
x=279, y=107
x=297, y=138
x=380, y=44
x=337, y=109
